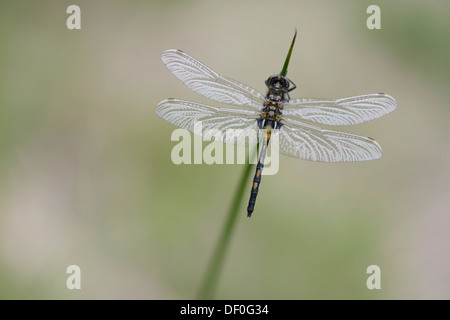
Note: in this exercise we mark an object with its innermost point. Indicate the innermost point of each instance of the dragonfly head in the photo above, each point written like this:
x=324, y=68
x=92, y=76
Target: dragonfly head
x=278, y=83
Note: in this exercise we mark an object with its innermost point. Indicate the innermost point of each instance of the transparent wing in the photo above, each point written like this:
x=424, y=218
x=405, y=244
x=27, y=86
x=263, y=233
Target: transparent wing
x=228, y=125
x=341, y=112
x=201, y=79
x=308, y=142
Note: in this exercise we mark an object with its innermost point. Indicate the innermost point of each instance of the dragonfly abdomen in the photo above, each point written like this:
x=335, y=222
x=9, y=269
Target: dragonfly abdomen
x=259, y=167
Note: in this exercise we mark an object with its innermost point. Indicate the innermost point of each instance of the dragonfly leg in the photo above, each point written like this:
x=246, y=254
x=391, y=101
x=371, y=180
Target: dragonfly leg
x=295, y=86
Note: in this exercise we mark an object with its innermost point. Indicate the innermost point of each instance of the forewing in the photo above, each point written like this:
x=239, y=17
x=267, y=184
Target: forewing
x=201, y=79
x=341, y=112
x=228, y=125
x=308, y=142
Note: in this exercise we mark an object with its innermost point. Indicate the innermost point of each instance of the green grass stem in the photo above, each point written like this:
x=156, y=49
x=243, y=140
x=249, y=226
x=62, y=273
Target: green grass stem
x=209, y=283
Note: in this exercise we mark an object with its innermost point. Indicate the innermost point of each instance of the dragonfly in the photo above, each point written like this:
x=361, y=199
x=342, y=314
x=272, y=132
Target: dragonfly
x=292, y=119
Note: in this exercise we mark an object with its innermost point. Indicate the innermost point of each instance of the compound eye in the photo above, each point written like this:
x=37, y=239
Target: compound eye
x=276, y=82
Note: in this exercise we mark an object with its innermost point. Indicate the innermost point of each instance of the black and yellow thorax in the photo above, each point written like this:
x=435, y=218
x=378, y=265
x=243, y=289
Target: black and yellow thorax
x=277, y=94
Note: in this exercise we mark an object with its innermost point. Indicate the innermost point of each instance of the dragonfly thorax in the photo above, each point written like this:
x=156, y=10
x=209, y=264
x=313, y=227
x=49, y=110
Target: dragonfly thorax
x=272, y=108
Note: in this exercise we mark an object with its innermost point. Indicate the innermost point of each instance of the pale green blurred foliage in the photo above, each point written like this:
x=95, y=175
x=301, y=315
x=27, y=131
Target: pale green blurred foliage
x=86, y=175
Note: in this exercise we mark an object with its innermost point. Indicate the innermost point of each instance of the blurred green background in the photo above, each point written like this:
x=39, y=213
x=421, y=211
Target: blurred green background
x=86, y=176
